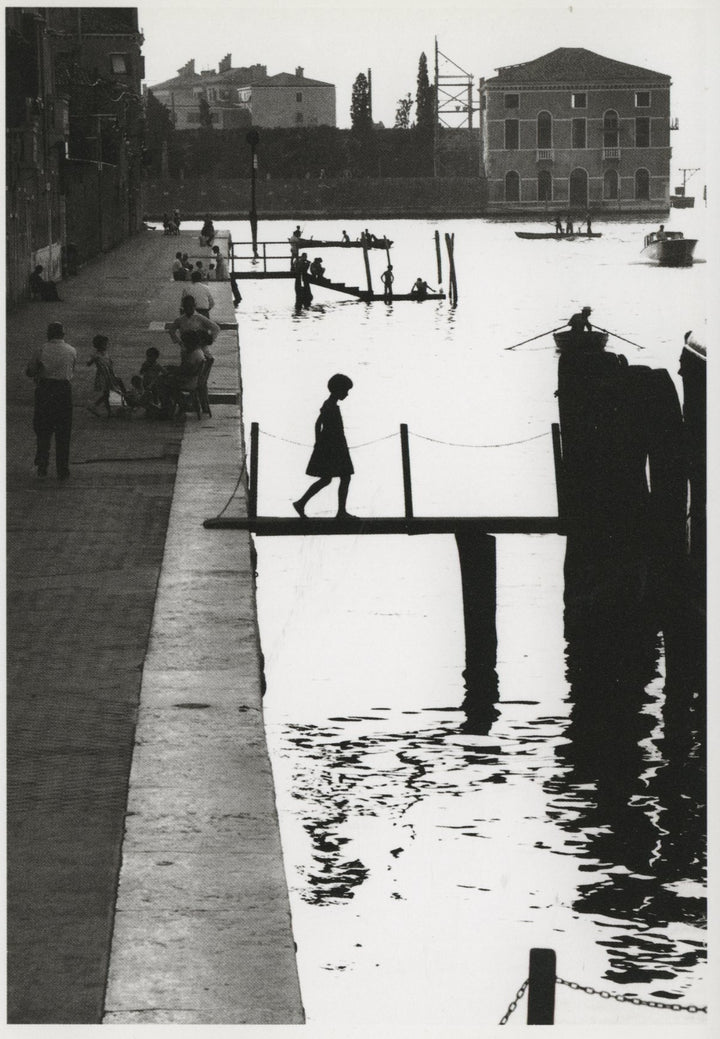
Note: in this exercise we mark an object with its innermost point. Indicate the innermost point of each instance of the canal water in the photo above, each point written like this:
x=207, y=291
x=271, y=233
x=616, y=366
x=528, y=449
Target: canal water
x=426, y=849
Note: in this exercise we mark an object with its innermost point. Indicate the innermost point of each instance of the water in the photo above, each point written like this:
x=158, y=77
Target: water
x=424, y=858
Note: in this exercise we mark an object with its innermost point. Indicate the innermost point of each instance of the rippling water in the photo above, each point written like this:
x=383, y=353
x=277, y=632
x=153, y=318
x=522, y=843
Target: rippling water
x=427, y=852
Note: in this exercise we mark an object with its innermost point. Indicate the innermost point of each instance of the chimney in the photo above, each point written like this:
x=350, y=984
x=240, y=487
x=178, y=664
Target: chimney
x=226, y=64
x=188, y=70
x=300, y=71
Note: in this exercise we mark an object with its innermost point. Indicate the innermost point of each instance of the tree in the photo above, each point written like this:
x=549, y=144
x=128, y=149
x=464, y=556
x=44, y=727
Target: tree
x=402, y=114
x=360, y=117
x=424, y=99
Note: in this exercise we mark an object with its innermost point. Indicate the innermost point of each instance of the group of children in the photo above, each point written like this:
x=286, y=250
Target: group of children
x=183, y=267
x=151, y=389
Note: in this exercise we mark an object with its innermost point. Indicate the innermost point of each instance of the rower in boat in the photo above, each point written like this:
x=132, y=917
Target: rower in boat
x=580, y=322
x=581, y=338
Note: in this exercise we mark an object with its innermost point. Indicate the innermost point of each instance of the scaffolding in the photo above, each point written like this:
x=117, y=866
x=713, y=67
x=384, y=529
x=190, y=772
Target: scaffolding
x=454, y=104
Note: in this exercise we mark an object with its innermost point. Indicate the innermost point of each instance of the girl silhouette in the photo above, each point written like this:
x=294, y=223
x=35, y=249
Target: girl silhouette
x=330, y=456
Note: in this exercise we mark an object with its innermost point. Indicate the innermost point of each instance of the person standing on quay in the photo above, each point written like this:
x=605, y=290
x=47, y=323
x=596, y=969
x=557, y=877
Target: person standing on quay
x=330, y=456
x=52, y=366
x=387, y=278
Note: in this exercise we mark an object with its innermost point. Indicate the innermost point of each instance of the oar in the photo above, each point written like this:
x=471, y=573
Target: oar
x=619, y=337
x=533, y=338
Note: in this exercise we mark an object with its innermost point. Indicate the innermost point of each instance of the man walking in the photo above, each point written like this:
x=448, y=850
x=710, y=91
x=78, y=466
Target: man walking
x=52, y=366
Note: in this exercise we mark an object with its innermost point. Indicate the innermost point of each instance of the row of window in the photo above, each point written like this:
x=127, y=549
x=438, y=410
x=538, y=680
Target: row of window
x=579, y=99
x=578, y=186
x=610, y=132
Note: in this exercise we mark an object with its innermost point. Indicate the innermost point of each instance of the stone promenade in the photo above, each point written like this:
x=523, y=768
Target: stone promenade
x=144, y=869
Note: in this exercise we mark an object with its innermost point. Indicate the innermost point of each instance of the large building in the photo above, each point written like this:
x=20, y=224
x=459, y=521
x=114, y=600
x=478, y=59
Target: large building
x=74, y=124
x=572, y=132
x=245, y=96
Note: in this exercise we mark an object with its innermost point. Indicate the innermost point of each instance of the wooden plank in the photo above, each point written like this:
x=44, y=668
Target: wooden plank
x=288, y=526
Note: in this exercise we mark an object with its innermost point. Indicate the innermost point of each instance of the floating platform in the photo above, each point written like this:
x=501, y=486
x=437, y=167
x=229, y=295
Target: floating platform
x=557, y=236
x=294, y=526
x=324, y=243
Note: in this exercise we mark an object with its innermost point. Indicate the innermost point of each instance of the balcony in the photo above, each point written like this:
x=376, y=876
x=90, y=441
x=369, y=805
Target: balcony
x=547, y=154
x=611, y=153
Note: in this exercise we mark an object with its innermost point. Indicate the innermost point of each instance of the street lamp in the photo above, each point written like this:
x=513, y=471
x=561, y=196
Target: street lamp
x=252, y=138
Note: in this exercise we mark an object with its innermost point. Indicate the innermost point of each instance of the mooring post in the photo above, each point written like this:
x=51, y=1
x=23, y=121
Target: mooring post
x=407, y=482
x=452, y=287
x=541, y=987
x=438, y=256
x=559, y=473
x=253, y=488
x=478, y=572
x=367, y=268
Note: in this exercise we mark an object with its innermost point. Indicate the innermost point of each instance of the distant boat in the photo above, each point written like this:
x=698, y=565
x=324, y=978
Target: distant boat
x=323, y=243
x=580, y=342
x=669, y=248
x=559, y=237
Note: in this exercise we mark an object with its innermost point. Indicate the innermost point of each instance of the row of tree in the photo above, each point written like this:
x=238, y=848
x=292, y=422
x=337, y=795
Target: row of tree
x=361, y=119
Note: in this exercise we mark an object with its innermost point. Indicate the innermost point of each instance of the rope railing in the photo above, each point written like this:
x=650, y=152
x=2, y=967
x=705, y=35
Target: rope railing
x=418, y=436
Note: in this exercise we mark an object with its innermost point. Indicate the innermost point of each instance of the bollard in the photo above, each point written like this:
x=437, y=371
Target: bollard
x=478, y=573
x=253, y=488
x=541, y=987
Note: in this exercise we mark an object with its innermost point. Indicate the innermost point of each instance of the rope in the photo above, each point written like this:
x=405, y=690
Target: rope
x=353, y=447
x=510, y=443
x=234, y=490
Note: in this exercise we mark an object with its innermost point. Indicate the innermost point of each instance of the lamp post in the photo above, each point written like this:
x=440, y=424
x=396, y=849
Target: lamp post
x=252, y=138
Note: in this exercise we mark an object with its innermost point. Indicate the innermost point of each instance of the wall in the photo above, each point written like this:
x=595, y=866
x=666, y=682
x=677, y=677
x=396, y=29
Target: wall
x=274, y=105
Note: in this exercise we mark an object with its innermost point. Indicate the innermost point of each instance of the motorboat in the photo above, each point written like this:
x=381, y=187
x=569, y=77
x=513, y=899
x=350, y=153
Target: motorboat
x=669, y=248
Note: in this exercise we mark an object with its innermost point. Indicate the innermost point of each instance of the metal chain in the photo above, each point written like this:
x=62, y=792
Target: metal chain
x=635, y=1000
x=513, y=1005
x=449, y=443
x=353, y=447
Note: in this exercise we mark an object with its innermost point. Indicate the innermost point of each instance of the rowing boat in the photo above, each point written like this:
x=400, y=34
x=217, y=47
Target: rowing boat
x=322, y=243
x=580, y=342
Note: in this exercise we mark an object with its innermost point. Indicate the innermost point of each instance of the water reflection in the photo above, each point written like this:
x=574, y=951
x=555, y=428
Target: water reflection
x=631, y=793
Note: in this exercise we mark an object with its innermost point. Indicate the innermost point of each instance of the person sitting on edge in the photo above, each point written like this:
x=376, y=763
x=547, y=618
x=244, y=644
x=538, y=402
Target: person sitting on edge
x=152, y=374
x=41, y=289
x=207, y=232
x=212, y=273
x=204, y=301
x=178, y=270
x=316, y=267
x=330, y=456
x=345, y=236
x=579, y=322
x=420, y=289
x=190, y=321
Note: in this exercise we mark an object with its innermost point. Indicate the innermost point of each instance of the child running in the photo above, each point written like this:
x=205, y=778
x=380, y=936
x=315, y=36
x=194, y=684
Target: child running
x=105, y=378
x=330, y=456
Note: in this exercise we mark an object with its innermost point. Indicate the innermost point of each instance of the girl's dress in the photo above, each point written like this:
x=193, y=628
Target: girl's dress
x=104, y=374
x=330, y=456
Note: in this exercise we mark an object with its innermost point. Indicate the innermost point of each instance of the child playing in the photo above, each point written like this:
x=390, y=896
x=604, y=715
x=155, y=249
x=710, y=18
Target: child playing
x=153, y=375
x=105, y=378
x=330, y=456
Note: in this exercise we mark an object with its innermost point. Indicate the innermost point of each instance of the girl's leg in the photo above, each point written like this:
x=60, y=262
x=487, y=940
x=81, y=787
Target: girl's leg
x=342, y=495
x=312, y=490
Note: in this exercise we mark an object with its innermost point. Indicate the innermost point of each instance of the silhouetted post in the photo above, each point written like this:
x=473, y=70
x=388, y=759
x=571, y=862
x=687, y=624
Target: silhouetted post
x=541, y=987
x=438, y=257
x=407, y=483
x=367, y=267
x=252, y=138
x=253, y=488
x=452, y=290
x=478, y=572
x=559, y=474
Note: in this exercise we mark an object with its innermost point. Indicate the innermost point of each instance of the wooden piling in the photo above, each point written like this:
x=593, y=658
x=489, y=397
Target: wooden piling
x=253, y=488
x=452, y=286
x=438, y=256
x=478, y=572
x=366, y=258
x=407, y=482
x=541, y=987
x=559, y=473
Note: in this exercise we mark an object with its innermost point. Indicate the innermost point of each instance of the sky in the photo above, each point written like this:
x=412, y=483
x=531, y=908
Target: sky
x=334, y=40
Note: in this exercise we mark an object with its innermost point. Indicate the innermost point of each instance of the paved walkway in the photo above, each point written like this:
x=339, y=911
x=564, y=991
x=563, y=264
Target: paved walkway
x=94, y=663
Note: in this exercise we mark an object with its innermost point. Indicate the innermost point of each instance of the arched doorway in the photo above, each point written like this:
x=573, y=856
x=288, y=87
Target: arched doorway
x=579, y=189
x=611, y=184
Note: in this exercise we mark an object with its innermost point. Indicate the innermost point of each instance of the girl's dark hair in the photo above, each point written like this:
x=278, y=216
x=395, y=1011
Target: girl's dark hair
x=338, y=383
x=100, y=342
x=152, y=351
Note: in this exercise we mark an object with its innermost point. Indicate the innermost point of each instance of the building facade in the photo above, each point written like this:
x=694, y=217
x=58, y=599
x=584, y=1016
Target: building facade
x=233, y=97
x=573, y=132
x=74, y=127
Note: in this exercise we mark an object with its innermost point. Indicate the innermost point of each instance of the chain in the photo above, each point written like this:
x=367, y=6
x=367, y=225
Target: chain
x=353, y=447
x=635, y=1000
x=513, y=1005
